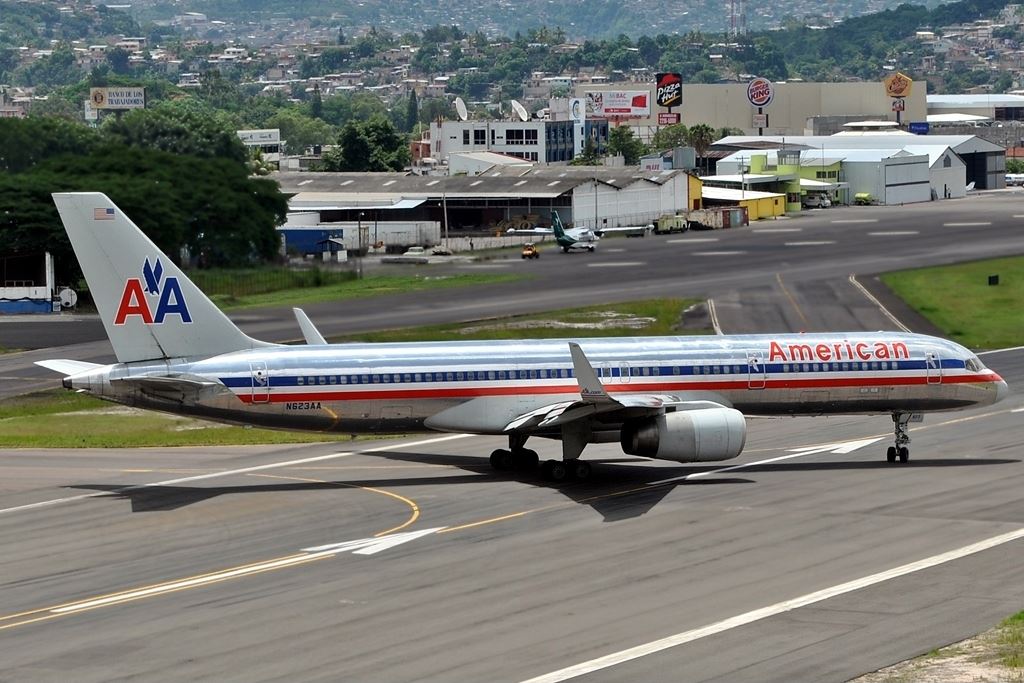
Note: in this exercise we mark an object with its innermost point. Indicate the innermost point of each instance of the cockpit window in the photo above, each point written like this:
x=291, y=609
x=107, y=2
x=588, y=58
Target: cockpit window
x=974, y=364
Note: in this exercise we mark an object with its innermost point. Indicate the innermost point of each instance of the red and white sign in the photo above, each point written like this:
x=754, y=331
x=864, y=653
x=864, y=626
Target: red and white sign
x=899, y=104
x=619, y=102
x=666, y=119
x=760, y=92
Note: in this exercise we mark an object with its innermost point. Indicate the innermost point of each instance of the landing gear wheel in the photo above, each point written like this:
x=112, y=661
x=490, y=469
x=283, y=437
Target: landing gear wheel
x=525, y=459
x=581, y=470
x=501, y=459
x=890, y=454
x=904, y=454
x=555, y=470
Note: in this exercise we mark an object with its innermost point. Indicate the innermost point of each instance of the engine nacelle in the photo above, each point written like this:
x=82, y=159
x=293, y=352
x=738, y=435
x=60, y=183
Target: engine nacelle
x=687, y=435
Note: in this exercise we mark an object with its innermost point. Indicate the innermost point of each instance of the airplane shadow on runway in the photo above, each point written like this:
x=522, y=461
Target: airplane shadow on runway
x=619, y=488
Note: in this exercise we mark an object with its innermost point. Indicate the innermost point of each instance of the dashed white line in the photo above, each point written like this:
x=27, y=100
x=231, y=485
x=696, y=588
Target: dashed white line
x=819, y=243
x=894, y=233
x=718, y=253
x=655, y=646
x=617, y=264
x=767, y=231
x=692, y=240
x=855, y=220
x=966, y=224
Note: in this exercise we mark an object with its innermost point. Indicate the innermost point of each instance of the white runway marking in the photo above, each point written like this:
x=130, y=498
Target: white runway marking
x=612, y=251
x=617, y=264
x=967, y=224
x=820, y=243
x=894, y=233
x=873, y=299
x=692, y=240
x=771, y=610
x=855, y=220
x=767, y=231
x=227, y=473
x=718, y=253
x=1018, y=215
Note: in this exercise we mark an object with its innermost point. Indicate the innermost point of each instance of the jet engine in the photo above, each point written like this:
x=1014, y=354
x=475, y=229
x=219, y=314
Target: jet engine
x=687, y=436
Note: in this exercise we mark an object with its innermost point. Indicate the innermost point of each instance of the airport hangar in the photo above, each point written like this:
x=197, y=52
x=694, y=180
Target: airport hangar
x=394, y=210
x=893, y=167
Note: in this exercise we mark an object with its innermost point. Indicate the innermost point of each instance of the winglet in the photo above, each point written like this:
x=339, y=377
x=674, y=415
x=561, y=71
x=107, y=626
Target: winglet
x=309, y=331
x=591, y=389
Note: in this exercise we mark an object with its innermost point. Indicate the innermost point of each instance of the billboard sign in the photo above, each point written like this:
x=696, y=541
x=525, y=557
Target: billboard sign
x=760, y=121
x=667, y=119
x=760, y=92
x=624, y=103
x=898, y=85
x=899, y=104
x=118, y=98
x=670, y=90
x=576, y=110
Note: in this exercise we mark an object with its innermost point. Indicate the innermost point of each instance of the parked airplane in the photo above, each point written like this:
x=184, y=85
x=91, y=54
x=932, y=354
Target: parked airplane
x=578, y=238
x=672, y=398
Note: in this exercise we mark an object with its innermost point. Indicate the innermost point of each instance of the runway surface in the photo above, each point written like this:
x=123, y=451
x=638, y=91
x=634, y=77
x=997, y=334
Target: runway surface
x=807, y=558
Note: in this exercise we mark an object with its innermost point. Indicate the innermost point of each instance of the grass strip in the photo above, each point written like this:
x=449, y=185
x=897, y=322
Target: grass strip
x=959, y=301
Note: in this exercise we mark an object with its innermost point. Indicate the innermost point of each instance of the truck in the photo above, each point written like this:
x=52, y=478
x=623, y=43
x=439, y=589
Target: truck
x=703, y=219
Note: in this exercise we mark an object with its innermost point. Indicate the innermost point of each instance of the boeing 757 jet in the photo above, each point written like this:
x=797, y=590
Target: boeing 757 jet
x=674, y=398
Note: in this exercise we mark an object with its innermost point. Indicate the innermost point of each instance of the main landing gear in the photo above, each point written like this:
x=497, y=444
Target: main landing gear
x=518, y=457
x=900, y=450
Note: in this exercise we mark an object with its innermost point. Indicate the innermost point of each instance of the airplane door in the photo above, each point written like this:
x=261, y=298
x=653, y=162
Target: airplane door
x=757, y=373
x=624, y=373
x=933, y=367
x=260, y=382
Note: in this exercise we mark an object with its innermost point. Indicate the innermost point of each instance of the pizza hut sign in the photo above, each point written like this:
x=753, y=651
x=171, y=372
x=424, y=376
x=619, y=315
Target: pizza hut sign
x=670, y=90
x=760, y=92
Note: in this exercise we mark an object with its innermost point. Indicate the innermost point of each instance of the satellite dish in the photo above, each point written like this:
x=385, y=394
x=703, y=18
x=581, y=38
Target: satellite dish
x=520, y=110
x=68, y=297
x=460, y=109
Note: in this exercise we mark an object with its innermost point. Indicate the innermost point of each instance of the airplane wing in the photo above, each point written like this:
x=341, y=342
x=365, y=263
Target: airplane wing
x=595, y=400
x=529, y=231
x=629, y=230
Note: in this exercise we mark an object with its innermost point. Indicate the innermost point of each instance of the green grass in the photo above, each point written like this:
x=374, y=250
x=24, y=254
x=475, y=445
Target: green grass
x=664, y=314
x=349, y=289
x=1010, y=641
x=63, y=419
x=959, y=301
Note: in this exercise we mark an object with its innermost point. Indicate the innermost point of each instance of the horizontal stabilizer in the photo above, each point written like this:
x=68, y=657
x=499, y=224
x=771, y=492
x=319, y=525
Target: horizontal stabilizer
x=67, y=367
x=309, y=331
x=176, y=387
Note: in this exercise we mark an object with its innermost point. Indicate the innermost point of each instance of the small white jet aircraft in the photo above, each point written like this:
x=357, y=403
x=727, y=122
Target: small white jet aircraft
x=673, y=398
x=581, y=238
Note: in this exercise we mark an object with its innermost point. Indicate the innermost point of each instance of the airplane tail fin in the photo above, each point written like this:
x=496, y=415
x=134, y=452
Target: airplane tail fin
x=556, y=225
x=149, y=307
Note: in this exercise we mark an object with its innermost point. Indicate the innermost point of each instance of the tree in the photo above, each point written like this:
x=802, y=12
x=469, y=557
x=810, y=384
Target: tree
x=412, y=111
x=300, y=131
x=316, y=105
x=372, y=145
x=621, y=140
x=670, y=137
x=209, y=205
x=588, y=157
x=700, y=138
x=31, y=141
x=182, y=127
x=118, y=59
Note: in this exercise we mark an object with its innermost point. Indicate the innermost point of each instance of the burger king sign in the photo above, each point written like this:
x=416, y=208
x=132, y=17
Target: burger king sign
x=760, y=92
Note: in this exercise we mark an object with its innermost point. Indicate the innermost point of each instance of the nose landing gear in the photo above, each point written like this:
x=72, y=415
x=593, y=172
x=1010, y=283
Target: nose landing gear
x=900, y=450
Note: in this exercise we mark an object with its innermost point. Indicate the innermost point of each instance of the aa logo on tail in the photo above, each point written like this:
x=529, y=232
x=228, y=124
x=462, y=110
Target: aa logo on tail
x=135, y=299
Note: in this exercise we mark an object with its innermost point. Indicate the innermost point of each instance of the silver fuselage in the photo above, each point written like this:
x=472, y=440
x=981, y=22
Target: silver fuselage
x=355, y=388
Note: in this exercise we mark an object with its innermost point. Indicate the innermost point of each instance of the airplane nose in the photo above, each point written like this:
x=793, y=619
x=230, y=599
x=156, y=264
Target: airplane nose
x=1002, y=390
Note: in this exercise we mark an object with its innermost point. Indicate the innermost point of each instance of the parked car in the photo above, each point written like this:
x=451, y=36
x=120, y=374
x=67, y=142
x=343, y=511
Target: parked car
x=530, y=251
x=415, y=251
x=816, y=201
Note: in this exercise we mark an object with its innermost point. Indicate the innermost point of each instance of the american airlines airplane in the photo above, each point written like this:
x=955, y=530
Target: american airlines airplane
x=673, y=398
